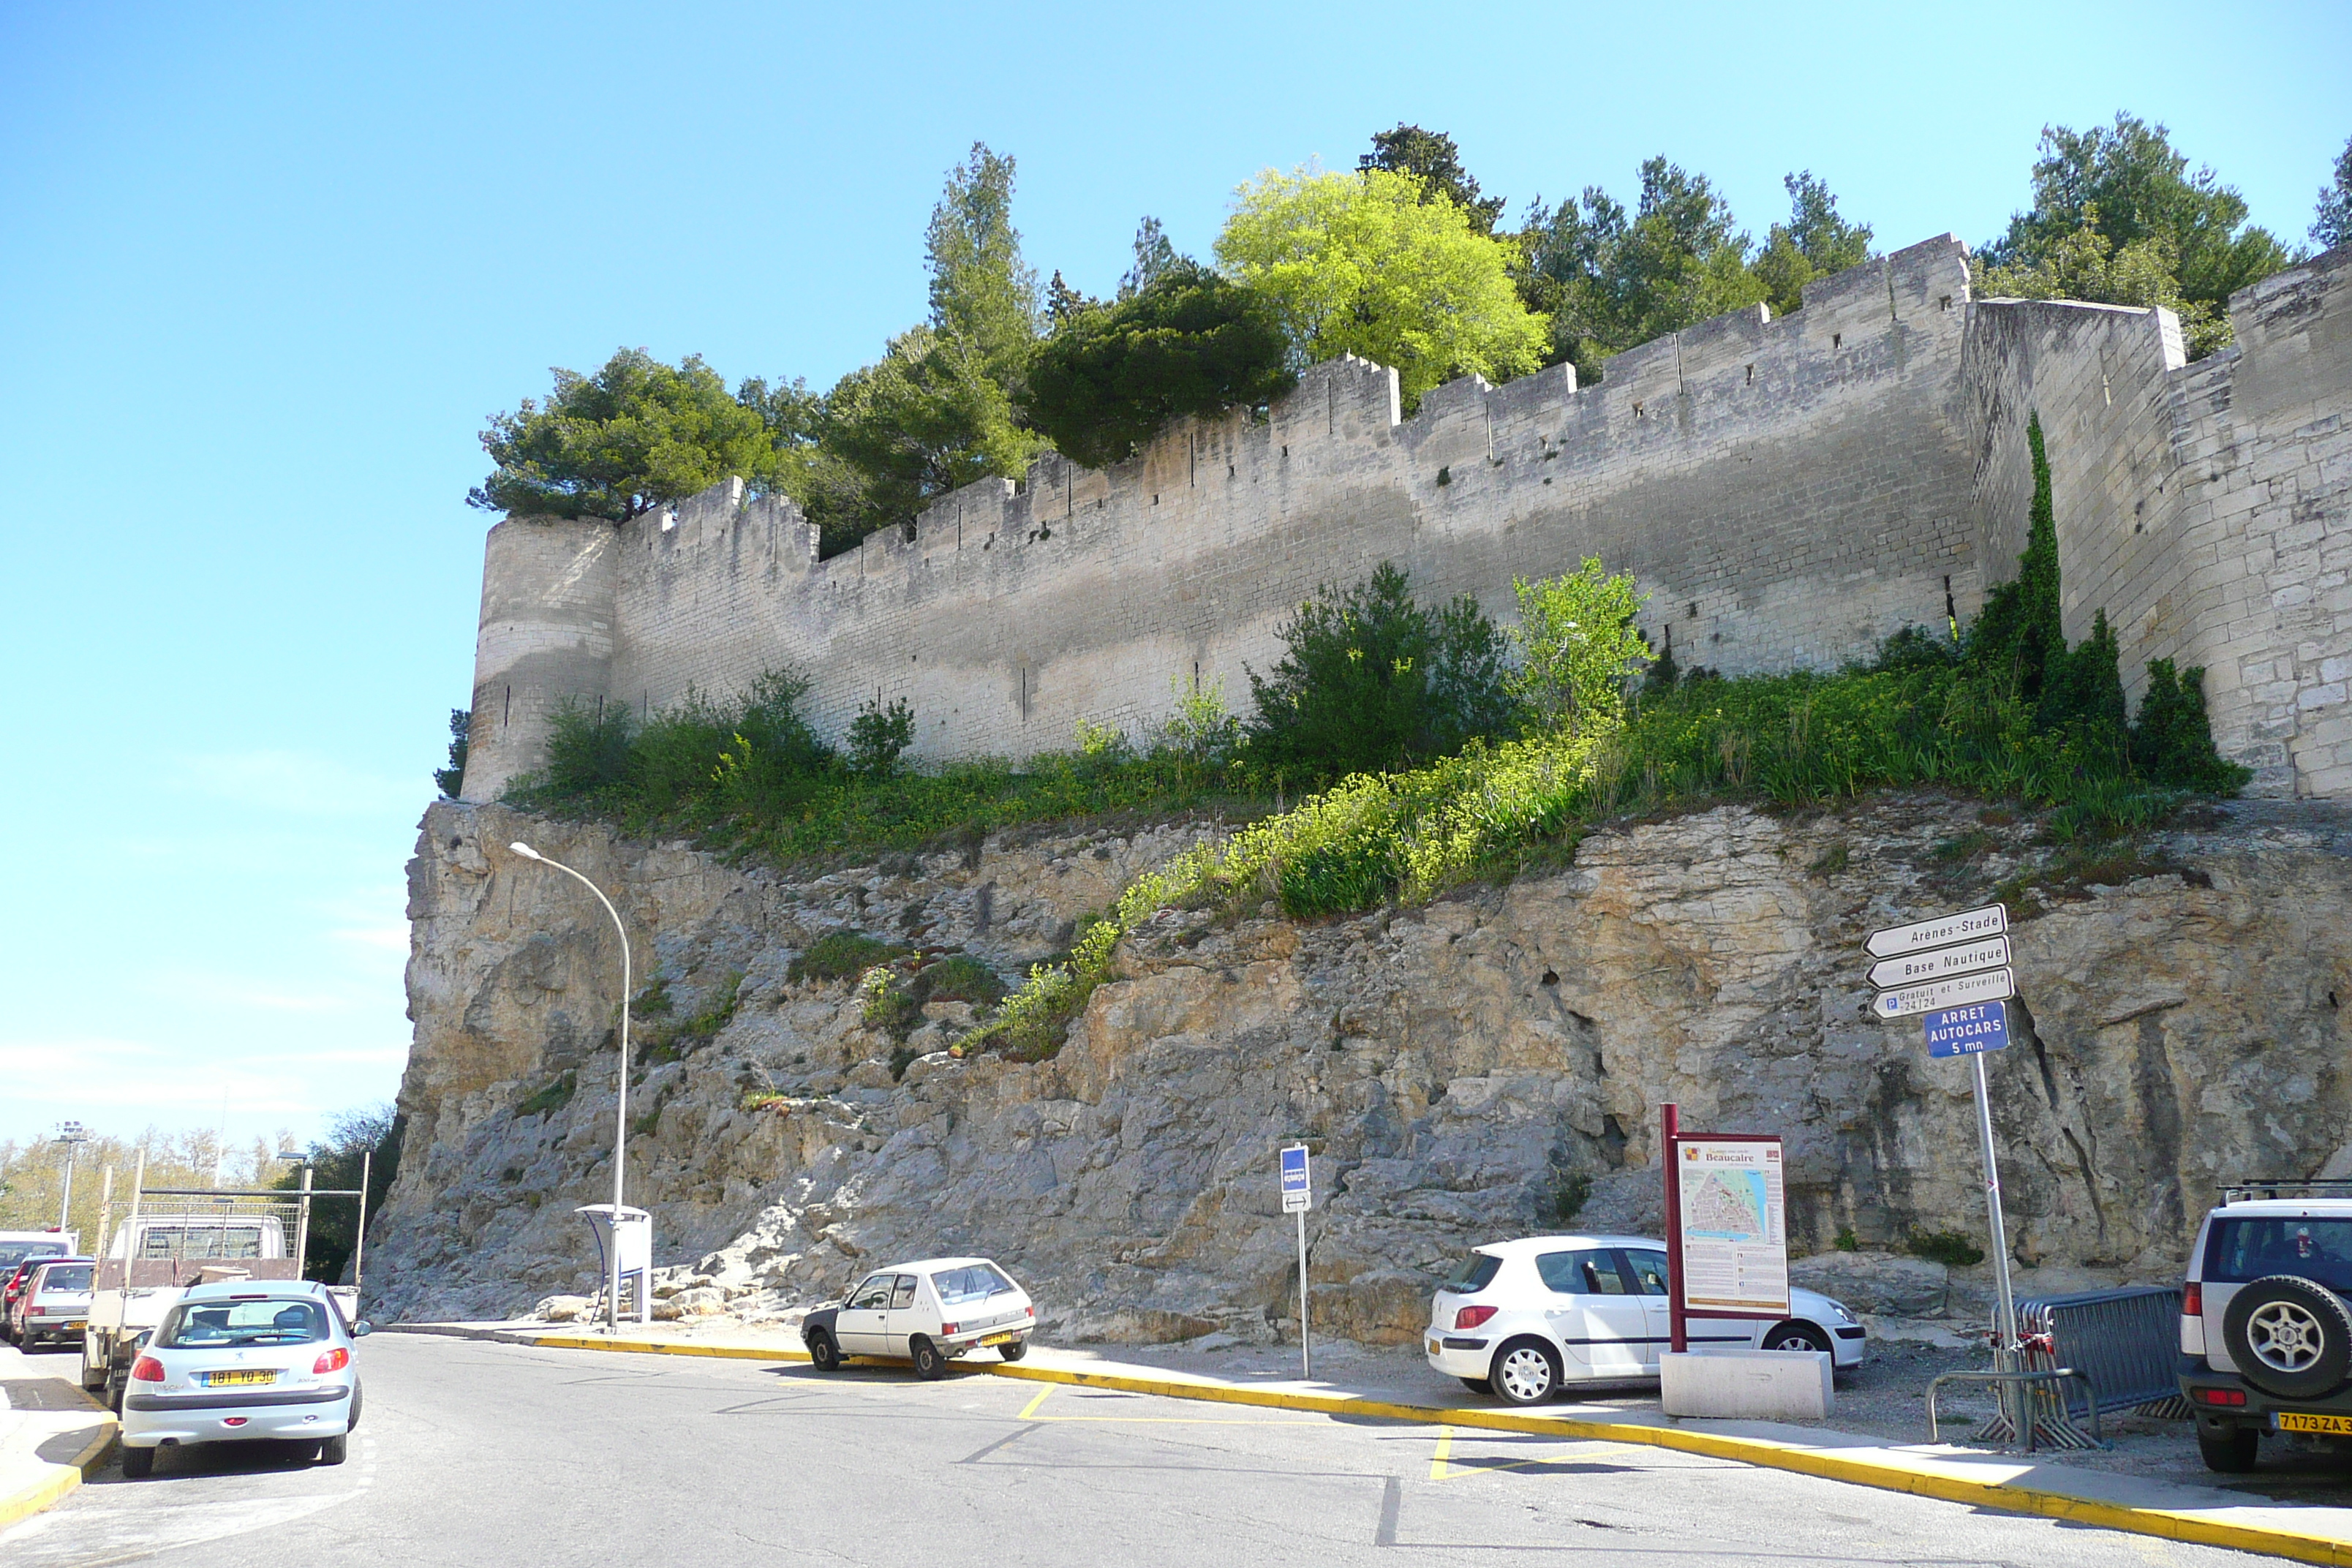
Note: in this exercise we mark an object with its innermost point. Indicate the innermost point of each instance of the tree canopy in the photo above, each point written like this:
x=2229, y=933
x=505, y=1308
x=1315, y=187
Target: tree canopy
x=1432, y=158
x=1362, y=264
x=1609, y=280
x=1189, y=342
x=2332, y=225
x=1815, y=242
x=617, y=443
x=2118, y=218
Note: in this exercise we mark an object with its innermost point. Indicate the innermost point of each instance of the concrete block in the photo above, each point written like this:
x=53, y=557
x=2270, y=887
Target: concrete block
x=1766, y=1385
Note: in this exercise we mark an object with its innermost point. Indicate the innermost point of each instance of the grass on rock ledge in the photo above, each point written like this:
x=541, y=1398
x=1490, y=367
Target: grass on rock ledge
x=1784, y=741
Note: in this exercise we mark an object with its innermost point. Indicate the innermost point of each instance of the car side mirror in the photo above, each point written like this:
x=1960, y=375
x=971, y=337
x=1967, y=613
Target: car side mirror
x=362, y=1329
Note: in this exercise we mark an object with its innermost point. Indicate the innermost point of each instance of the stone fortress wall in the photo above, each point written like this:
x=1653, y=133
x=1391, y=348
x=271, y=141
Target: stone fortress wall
x=1788, y=491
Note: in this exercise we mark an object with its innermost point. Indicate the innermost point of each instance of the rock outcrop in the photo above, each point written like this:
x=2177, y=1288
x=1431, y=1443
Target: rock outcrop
x=1484, y=1066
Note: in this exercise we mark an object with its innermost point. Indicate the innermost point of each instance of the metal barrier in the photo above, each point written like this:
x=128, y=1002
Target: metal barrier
x=2126, y=1342
x=2036, y=1385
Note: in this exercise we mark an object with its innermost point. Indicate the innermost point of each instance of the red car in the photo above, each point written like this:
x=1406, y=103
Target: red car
x=18, y=1278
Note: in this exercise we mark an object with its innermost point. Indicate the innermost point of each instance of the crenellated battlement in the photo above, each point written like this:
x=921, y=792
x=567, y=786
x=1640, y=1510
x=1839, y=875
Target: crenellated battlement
x=1789, y=491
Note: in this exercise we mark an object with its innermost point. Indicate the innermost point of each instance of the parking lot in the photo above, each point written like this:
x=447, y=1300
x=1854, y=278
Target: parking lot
x=474, y=1453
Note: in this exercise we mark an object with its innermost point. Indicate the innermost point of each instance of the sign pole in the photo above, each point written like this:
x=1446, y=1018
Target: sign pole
x=1670, y=1129
x=1305, y=1367
x=2004, y=1350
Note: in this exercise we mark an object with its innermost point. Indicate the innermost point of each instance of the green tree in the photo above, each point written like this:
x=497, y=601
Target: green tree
x=1361, y=264
x=984, y=295
x=452, y=778
x=615, y=445
x=1187, y=342
x=1608, y=280
x=2332, y=225
x=1432, y=158
x=926, y=419
x=2171, y=741
x=1155, y=256
x=2087, y=265
x=1370, y=680
x=1578, y=646
x=2127, y=184
x=1815, y=242
x=879, y=735
x=366, y=1140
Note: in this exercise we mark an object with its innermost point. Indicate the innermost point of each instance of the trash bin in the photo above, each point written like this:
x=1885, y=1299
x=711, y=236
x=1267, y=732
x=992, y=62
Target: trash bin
x=634, y=1246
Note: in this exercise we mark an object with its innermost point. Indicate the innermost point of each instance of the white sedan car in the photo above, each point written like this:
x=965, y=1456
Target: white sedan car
x=928, y=1312
x=1519, y=1318
x=241, y=1360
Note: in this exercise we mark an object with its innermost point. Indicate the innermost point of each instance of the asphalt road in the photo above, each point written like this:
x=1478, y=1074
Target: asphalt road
x=472, y=1454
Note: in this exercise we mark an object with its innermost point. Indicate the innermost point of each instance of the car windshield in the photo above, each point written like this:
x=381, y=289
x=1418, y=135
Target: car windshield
x=1477, y=1271
x=12, y=1253
x=2317, y=1249
x=202, y=1325
x=973, y=1282
x=65, y=1277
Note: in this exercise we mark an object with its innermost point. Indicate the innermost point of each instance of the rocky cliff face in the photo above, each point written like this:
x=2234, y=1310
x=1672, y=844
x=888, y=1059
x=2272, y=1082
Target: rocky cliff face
x=1485, y=1067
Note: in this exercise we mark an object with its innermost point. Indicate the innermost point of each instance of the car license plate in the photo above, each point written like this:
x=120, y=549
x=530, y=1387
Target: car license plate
x=240, y=1379
x=2295, y=1421
x=998, y=1339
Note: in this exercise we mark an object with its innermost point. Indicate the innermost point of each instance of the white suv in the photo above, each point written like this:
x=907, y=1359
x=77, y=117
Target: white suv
x=928, y=1312
x=2265, y=1334
x=1520, y=1317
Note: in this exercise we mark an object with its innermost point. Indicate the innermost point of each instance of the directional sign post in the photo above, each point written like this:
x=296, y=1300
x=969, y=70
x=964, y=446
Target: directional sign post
x=1993, y=986
x=1953, y=972
x=1297, y=1197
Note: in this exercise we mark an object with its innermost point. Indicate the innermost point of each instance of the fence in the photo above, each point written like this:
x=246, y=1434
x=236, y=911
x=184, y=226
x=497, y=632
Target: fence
x=2125, y=1346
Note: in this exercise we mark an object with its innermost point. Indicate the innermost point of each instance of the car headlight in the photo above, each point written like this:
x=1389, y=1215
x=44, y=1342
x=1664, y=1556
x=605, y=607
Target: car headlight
x=1838, y=1311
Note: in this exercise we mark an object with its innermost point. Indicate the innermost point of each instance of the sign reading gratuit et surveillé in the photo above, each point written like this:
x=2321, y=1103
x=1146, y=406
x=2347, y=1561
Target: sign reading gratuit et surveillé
x=1734, y=1232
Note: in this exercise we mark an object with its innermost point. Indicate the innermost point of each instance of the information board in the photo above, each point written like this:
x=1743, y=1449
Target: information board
x=1733, y=1228
x=1968, y=1031
x=1297, y=1192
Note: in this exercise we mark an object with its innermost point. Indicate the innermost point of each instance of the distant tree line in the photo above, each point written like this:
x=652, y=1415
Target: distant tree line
x=1405, y=260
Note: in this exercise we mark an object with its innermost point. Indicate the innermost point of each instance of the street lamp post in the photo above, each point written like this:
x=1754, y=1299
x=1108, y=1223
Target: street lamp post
x=621, y=1108
x=73, y=1135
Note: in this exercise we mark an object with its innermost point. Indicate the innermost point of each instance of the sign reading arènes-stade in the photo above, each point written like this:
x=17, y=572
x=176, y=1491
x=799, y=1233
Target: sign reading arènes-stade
x=1944, y=930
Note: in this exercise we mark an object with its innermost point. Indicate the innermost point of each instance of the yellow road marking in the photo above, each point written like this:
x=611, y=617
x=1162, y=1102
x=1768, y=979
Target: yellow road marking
x=1445, y=1447
x=1030, y=1410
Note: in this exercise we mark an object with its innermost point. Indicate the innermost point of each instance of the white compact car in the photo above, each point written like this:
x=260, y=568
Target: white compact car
x=1519, y=1318
x=241, y=1360
x=928, y=1312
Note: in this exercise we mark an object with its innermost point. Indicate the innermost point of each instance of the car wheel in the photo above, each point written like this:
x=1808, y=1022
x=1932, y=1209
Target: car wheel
x=331, y=1451
x=138, y=1464
x=1478, y=1385
x=93, y=1378
x=1526, y=1372
x=118, y=1384
x=2230, y=1450
x=354, y=1424
x=823, y=1354
x=1013, y=1350
x=1797, y=1337
x=2289, y=1337
x=930, y=1365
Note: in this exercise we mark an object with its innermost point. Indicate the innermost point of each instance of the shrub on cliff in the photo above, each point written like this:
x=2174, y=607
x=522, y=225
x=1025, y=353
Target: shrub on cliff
x=1187, y=343
x=1371, y=264
x=1371, y=680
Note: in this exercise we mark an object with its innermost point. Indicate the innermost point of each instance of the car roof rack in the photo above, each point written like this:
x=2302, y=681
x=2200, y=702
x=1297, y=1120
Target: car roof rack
x=2257, y=1189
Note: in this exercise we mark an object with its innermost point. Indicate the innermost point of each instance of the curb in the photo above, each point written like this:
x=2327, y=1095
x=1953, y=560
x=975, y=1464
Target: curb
x=1922, y=1479
x=50, y=1490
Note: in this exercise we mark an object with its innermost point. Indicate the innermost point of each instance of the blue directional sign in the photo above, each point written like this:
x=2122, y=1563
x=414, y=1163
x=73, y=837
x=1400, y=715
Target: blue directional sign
x=1967, y=1031
x=1297, y=1196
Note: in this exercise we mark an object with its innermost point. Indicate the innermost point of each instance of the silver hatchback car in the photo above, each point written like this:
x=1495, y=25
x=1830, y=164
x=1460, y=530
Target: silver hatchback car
x=244, y=1361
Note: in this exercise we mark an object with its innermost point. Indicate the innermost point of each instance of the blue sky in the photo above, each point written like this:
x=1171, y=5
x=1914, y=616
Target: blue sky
x=263, y=272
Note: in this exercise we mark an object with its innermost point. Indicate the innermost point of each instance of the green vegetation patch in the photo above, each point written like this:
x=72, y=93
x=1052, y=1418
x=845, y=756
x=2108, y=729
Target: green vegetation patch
x=1951, y=1247
x=838, y=956
x=552, y=1097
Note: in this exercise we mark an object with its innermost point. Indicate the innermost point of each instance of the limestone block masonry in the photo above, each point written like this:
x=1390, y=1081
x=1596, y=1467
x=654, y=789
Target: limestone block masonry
x=1788, y=491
